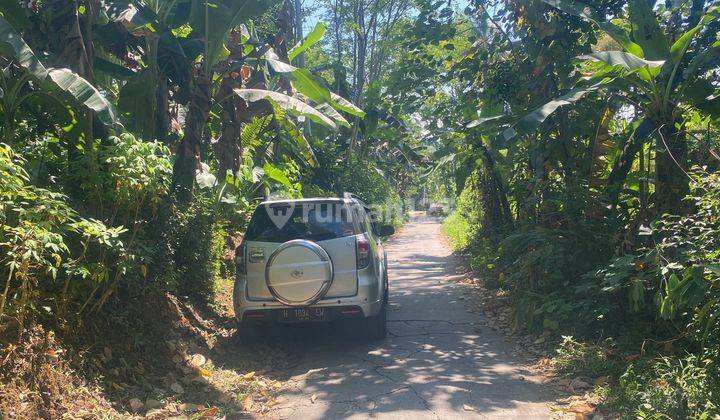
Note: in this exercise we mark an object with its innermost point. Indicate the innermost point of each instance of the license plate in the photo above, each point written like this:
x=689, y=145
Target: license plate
x=302, y=314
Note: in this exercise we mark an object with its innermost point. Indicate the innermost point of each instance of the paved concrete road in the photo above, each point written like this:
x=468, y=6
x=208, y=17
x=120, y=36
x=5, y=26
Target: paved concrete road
x=437, y=361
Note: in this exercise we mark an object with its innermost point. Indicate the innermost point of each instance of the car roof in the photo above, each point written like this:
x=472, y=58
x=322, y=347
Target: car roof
x=311, y=200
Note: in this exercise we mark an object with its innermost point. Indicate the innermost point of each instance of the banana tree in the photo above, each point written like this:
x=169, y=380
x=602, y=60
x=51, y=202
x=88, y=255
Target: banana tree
x=21, y=65
x=656, y=76
x=211, y=22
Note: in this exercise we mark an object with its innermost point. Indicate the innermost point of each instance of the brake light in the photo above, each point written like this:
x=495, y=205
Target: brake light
x=363, y=252
x=240, y=260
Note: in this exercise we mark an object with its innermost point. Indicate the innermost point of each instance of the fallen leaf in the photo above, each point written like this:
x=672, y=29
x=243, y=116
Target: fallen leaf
x=197, y=360
x=249, y=375
x=313, y=397
x=209, y=413
x=190, y=407
x=468, y=407
x=248, y=403
x=206, y=373
x=581, y=407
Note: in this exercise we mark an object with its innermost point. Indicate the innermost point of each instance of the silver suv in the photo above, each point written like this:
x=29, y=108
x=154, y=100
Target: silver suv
x=312, y=260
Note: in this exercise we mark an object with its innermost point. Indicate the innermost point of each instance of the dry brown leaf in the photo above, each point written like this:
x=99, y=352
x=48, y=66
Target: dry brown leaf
x=248, y=403
x=313, y=397
x=197, y=360
x=468, y=407
x=190, y=407
x=581, y=407
x=209, y=413
x=204, y=372
x=249, y=375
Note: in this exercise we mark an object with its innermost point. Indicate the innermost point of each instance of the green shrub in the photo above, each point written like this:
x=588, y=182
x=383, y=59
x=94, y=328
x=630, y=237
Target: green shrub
x=457, y=229
x=48, y=268
x=675, y=388
x=584, y=359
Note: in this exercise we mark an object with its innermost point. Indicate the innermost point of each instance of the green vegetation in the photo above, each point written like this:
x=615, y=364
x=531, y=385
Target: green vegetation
x=583, y=142
x=137, y=138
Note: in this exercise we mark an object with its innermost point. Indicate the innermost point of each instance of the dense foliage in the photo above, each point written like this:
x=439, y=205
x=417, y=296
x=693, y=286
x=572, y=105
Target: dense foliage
x=584, y=141
x=137, y=136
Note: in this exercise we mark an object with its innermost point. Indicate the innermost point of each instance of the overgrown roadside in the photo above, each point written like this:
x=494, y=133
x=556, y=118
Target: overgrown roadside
x=648, y=368
x=575, y=395
x=168, y=357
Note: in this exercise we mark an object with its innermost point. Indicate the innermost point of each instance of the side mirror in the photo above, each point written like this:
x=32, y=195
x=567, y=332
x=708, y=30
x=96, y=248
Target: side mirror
x=386, y=230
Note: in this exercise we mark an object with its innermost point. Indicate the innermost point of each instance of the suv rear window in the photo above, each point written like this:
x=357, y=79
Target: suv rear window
x=314, y=221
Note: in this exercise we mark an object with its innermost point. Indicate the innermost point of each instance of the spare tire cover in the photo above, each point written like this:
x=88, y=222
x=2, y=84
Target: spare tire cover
x=299, y=273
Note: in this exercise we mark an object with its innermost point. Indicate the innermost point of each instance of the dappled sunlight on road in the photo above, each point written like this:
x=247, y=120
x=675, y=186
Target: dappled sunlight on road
x=437, y=361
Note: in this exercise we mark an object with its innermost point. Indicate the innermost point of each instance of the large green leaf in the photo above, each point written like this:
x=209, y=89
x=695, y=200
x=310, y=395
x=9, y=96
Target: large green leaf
x=212, y=21
x=699, y=93
x=533, y=120
x=80, y=90
x=13, y=46
x=287, y=103
x=276, y=174
x=312, y=86
x=620, y=58
x=84, y=93
x=111, y=69
x=646, y=30
x=308, y=84
x=484, y=120
x=677, y=50
x=301, y=141
x=342, y=104
x=311, y=39
x=328, y=110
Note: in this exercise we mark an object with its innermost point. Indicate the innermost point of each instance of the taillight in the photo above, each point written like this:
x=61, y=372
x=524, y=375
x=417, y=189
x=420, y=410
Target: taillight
x=363, y=252
x=240, y=261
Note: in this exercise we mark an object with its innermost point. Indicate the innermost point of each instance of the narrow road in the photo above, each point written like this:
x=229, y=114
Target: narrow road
x=437, y=362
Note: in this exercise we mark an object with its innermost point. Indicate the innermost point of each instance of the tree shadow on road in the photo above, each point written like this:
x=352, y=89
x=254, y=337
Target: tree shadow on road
x=436, y=359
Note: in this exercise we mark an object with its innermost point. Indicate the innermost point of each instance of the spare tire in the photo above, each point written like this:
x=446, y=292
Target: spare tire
x=299, y=273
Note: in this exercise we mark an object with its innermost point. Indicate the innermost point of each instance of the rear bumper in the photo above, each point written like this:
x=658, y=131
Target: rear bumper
x=368, y=300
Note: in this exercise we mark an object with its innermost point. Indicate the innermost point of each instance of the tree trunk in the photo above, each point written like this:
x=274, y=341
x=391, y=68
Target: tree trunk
x=603, y=144
x=300, y=59
x=497, y=216
x=671, y=180
x=228, y=148
x=187, y=160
